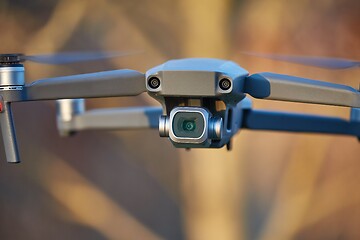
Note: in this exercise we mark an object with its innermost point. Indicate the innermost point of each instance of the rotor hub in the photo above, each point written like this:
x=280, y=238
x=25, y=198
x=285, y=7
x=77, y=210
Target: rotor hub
x=11, y=59
x=11, y=71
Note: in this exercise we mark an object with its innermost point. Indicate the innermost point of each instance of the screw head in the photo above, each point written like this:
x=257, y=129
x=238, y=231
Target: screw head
x=154, y=82
x=225, y=84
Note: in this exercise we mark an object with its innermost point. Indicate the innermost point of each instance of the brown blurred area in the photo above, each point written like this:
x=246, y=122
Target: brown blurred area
x=135, y=185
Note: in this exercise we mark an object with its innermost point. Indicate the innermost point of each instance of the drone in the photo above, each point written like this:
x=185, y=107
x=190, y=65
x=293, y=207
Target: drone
x=204, y=102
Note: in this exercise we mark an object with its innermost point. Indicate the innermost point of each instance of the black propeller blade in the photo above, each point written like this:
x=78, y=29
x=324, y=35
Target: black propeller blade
x=321, y=62
x=63, y=58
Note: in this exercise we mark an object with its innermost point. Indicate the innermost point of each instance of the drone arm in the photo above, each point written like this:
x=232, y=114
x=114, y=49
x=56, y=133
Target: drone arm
x=8, y=133
x=92, y=85
x=102, y=84
x=292, y=122
x=295, y=89
x=105, y=119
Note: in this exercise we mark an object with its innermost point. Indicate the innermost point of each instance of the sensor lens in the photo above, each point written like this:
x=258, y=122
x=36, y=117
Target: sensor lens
x=189, y=125
x=154, y=82
x=225, y=84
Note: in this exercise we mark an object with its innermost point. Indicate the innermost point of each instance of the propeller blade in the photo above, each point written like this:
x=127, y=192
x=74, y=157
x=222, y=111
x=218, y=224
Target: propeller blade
x=321, y=62
x=91, y=85
x=74, y=57
x=296, y=89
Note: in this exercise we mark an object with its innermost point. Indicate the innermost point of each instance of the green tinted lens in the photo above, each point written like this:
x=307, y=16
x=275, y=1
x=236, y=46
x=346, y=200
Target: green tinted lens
x=189, y=125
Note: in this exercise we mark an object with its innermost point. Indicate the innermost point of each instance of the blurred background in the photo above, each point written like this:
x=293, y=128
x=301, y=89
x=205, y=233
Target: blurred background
x=136, y=185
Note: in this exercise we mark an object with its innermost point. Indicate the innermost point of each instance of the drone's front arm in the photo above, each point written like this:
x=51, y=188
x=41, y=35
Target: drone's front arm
x=92, y=85
x=296, y=89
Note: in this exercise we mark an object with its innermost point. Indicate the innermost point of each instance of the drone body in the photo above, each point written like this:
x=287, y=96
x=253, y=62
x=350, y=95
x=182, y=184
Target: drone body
x=198, y=91
x=204, y=101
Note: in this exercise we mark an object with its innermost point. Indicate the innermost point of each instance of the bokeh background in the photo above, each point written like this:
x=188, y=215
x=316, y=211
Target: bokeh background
x=135, y=185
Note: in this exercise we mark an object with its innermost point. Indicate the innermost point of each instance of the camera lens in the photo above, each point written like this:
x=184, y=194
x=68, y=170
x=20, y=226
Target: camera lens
x=189, y=125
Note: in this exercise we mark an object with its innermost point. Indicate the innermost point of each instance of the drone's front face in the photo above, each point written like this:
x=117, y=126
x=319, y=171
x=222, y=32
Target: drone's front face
x=199, y=97
x=195, y=77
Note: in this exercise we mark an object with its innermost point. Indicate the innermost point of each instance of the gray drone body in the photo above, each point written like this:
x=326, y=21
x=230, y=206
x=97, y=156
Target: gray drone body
x=207, y=91
x=204, y=101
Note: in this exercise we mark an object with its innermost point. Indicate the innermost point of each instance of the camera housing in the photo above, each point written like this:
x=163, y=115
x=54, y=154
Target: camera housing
x=204, y=94
x=191, y=125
